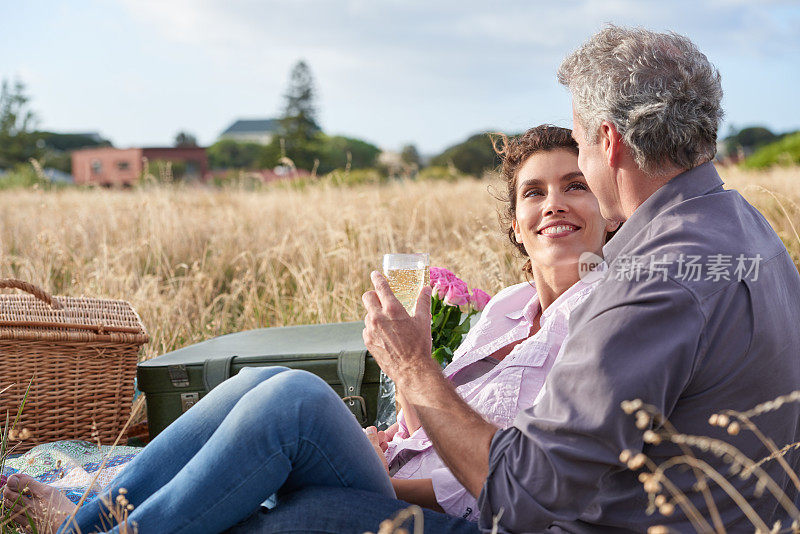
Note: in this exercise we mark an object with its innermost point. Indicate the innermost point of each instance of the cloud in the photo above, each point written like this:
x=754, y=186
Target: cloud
x=408, y=58
x=346, y=33
x=387, y=70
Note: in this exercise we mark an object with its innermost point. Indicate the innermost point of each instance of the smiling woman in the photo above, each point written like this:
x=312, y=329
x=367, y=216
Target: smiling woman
x=552, y=215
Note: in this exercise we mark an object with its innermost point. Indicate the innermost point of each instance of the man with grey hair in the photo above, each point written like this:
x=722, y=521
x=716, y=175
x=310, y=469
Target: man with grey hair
x=697, y=314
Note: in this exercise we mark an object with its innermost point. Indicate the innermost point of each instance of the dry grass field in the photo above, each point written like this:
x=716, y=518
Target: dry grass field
x=197, y=262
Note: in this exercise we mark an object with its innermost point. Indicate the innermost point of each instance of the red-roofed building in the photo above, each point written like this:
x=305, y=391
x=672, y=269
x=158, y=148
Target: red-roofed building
x=123, y=167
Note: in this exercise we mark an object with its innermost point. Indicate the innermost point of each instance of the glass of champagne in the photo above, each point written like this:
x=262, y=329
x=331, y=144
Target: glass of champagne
x=407, y=274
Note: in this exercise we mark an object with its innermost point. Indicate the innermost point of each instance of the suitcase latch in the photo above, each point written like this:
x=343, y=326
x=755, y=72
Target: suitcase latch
x=351, y=403
x=178, y=376
x=188, y=400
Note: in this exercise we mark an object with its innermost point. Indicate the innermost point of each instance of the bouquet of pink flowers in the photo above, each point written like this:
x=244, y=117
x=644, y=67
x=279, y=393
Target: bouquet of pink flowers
x=452, y=307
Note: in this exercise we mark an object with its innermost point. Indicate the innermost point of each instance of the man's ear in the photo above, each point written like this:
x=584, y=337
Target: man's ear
x=611, y=142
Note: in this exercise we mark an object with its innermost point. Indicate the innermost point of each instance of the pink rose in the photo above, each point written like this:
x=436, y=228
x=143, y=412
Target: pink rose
x=436, y=273
x=440, y=289
x=457, y=294
x=479, y=299
x=440, y=273
x=441, y=279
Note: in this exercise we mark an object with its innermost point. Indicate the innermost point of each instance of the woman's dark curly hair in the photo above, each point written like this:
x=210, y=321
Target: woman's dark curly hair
x=513, y=153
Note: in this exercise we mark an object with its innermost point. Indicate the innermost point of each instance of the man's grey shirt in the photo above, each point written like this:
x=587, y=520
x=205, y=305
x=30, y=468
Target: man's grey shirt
x=689, y=345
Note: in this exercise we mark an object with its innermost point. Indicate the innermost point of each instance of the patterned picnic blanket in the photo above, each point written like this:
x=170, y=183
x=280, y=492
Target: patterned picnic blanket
x=71, y=466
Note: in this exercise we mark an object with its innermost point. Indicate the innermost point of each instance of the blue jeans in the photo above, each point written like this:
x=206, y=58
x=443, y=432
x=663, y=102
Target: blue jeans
x=265, y=431
x=326, y=510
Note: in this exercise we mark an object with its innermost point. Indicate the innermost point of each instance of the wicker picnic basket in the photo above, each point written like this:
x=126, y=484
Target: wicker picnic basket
x=80, y=354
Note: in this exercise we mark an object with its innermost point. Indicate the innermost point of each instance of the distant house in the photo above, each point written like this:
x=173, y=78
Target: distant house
x=259, y=131
x=122, y=167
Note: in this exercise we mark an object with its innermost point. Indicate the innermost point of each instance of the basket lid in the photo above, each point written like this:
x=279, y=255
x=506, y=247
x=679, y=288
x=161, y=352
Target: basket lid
x=40, y=316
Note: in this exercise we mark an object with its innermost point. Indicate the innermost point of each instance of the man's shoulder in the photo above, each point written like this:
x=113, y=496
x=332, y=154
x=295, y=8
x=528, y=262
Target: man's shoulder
x=702, y=244
x=721, y=221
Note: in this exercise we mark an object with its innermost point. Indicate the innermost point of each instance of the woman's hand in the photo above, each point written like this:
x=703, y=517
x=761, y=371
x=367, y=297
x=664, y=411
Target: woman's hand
x=379, y=443
x=391, y=431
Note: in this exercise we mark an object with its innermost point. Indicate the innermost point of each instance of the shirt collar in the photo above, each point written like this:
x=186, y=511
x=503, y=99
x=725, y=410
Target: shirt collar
x=566, y=296
x=689, y=184
x=529, y=310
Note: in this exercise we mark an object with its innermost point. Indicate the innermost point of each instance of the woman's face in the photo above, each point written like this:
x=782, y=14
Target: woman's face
x=558, y=217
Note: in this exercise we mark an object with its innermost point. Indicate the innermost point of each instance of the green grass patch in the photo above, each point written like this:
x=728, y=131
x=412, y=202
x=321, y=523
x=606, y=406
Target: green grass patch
x=785, y=152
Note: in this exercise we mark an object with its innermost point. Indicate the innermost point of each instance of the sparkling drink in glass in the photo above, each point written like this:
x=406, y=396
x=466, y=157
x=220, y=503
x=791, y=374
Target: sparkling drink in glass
x=407, y=274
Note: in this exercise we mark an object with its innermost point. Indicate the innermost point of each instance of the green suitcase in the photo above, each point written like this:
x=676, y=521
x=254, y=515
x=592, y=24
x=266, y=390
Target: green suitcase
x=173, y=382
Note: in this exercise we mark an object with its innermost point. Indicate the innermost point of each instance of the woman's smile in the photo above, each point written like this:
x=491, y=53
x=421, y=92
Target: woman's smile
x=556, y=229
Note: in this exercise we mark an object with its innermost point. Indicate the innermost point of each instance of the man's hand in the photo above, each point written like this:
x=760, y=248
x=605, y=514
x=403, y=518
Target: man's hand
x=401, y=344
x=379, y=443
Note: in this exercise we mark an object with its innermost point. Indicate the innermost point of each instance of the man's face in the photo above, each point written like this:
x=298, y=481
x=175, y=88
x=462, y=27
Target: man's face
x=599, y=175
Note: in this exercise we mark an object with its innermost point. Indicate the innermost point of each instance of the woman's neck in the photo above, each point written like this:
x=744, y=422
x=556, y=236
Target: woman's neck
x=551, y=282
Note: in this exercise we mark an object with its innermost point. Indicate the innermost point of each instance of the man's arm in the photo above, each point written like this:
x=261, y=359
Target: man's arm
x=629, y=341
x=460, y=436
x=402, y=347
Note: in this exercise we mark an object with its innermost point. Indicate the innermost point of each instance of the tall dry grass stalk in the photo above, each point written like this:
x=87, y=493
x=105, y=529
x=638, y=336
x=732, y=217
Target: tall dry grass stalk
x=776, y=193
x=664, y=496
x=197, y=262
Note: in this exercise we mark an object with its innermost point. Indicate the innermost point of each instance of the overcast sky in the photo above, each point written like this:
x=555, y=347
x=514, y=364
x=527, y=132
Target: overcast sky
x=389, y=71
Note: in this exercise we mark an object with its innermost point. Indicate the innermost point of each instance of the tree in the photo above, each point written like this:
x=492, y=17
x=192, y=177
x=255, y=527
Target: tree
x=410, y=156
x=62, y=142
x=299, y=126
x=785, y=151
x=299, y=120
x=269, y=156
x=339, y=152
x=17, y=140
x=749, y=139
x=185, y=139
x=473, y=156
x=230, y=154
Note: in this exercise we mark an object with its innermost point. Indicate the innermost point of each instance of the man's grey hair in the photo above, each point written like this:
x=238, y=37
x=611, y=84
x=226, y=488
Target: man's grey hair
x=658, y=90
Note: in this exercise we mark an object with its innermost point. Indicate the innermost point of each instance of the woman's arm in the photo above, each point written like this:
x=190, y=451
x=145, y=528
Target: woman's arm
x=409, y=414
x=417, y=491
